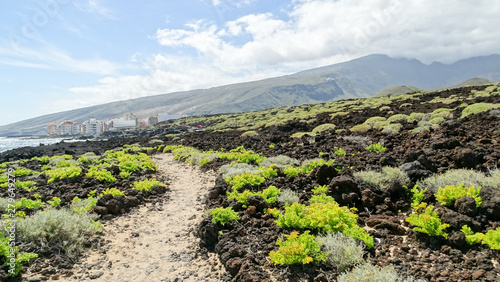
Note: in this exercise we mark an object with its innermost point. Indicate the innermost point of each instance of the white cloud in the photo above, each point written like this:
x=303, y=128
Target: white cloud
x=316, y=33
x=52, y=58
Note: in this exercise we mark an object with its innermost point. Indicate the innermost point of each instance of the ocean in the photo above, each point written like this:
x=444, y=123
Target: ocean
x=12, y=143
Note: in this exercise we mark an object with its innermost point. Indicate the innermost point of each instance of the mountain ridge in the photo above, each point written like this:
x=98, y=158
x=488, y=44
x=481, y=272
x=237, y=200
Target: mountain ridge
x=358, y=78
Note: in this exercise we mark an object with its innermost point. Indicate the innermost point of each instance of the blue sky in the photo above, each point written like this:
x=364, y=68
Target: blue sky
x=68, y=54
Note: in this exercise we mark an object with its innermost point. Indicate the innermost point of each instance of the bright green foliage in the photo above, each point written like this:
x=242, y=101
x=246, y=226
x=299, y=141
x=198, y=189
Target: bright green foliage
x=169, y=148
x=3, y=179
x=21, y=171
x=63, y=173
x=324, y=217
x=450, y=193
x=64, y=164
x=324, y=127
x=377, y=148
x=274, y=212
x=113, y=192
x=65, y=156
x=224, y=215
x=307, y=168
x=82, y=206
x=428, y=223
x=491, y=238
x=83, y=159
x=124, y=174
x=470, y=237
x=241, y=155
x=270, y=195
x=100, y=174
x=321, y=199
x=478, y=108
x=6, y=250
x=417, y=198
x=147, y=184
x=55, y=202
x=246, y=179
x=30, y=204
x=320, y=189
x=43, y=160
x=131, y=162
x=26, y=185
x=297, y=249
x=340, y=152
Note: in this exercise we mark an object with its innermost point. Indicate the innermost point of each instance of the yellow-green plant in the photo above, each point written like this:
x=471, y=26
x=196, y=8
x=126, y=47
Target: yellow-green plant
x=377, y=148
x=450, y=193
x=100, y=174
x=224, y=215
x=63, y=173
x=147, y=184
x=12, y=254
x=324, y=217
x=297, y=249
x=491, y=238
x=56, y=201
x=113, y=192
x=428, y=223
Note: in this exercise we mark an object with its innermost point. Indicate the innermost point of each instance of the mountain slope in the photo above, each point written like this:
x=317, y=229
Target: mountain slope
x=361, y=77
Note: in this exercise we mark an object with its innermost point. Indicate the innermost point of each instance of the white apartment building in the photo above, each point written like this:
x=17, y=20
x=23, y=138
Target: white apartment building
x=93, y=127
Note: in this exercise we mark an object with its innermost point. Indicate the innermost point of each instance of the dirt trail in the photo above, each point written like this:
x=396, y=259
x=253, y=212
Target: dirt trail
x=157, y=242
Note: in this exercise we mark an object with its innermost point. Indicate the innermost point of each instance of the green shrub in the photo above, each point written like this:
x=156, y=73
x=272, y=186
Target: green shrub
x=324, y=127
x=324, y=217
x=26, y=185
x=6, y=251
x=27, y=203
x=147, y=184
x=320, y=189
x=58, y=229
x=478, y=108
x=21, y=171
x=360, y=128
x=125, y=174
x=299, y=135
x=450, y=193
x=55, y=202
x=398, y=118
x=82, y=206
x=343, y=252
x=377, y=148
x=270, y=195
x=374, y=120
x=491, y=238
x=340, y=152
x=63, y=173
x=321, y=199
x=428, y=223
x=237, y=182
x=297, y=249
x=113, y=192
x=100, y=174
x=43, y=159
x=288, y=196
x=224, y=215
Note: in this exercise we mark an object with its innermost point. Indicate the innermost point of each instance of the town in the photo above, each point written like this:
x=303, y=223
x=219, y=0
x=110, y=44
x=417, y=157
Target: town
x=95, y=127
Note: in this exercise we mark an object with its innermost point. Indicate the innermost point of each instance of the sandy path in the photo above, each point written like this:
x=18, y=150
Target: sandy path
x=157, y=242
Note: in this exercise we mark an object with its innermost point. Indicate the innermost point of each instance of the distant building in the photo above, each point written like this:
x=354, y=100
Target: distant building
x=153, y=119
x=127, y=121
x=52, y=128
x=93, y=127
x=68, y=128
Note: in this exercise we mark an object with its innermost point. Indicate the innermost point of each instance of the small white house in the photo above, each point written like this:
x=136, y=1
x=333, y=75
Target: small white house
x=68, y=128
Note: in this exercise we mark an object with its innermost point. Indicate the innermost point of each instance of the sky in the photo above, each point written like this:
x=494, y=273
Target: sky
x=58, y=55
